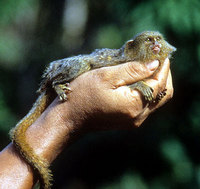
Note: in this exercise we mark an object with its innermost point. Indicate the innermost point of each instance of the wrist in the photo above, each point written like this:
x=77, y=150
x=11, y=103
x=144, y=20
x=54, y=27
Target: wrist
x=51, y=131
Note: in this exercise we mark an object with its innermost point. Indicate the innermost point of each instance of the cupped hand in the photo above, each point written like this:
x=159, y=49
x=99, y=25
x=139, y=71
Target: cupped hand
x=103, y=95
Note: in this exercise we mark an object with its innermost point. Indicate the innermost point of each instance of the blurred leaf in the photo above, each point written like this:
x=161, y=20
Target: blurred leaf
x=132, y=181
x=180, y=15
x=109, y=36
x=194, y=115
x=143, y=18
x=174, y=152
x=198, y=52
x=7, y=118
x=183, y=171
x=12, y=11
x=17, y=20
x=127, y=181
x=11, y=50
x=198, y=175
x=158, y=183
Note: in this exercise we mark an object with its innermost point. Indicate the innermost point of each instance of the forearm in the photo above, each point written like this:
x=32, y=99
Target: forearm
x=47, y=136
x=101, y=93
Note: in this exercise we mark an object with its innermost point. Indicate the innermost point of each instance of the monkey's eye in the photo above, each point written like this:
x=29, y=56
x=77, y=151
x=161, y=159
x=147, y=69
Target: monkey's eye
x=148, y=39
x=158, y=38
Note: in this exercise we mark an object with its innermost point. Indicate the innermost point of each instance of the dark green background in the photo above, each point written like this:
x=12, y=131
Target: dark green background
x=164, y=152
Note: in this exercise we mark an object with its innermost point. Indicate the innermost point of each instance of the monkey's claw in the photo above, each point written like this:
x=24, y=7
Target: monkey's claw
x=161, y=94
x=62, y=97
x=62, y=90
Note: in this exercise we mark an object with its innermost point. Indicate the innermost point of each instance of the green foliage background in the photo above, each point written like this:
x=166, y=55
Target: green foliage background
x=164, y=152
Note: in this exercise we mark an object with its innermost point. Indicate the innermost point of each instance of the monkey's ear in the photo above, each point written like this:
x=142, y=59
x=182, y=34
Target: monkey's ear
x=130, y=43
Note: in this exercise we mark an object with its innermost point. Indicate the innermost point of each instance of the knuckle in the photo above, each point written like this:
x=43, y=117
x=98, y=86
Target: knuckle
x=136, y=69
x=134, y=107
x=101, y=75
x=136, y=123
x=132, y=114
x=170, y=93
x=161, y=85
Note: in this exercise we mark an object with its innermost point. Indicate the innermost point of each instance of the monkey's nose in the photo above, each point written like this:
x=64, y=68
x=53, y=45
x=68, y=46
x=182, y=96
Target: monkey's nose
x=156, y=48
x=156, y=43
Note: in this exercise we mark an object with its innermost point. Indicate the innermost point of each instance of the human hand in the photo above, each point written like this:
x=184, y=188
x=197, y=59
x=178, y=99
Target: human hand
x=102, y=95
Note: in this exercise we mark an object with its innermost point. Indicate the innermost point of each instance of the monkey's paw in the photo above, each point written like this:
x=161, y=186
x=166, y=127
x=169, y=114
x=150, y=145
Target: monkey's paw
x=62, y=90
x=160, y=95
x=146, y=90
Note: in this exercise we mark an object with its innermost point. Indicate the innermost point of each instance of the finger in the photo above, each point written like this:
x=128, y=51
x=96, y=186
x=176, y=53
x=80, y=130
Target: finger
x=148, y=110
x=133, y=97
x=140, y=119
x=158, y=82
x=164, y=70
x=169, y=92
x=127, y=73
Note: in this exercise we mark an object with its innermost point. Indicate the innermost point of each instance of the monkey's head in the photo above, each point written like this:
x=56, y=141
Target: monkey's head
x=148, y=46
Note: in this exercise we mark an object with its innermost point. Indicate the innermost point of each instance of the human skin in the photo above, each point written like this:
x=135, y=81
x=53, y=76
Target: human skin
x=97, y=97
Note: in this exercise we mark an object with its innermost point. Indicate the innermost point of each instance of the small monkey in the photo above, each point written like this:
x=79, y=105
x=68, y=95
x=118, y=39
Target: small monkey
x=144, y=47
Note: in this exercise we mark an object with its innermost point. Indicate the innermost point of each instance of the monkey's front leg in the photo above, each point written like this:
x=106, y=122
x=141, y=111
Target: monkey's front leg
x=146, y=91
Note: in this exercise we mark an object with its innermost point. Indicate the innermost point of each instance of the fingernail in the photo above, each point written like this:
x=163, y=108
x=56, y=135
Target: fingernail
x=153, y=65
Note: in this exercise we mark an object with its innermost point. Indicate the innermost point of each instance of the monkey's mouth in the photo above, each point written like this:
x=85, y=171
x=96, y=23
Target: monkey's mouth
x=156, y=48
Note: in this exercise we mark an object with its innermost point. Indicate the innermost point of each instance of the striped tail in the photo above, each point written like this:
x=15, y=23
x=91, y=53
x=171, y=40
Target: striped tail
x=18, y=136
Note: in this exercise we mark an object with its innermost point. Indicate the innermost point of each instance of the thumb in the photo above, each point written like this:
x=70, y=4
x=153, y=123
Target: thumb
x=131, y=72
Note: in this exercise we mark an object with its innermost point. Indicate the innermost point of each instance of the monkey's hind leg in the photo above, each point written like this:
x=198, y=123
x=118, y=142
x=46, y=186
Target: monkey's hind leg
x=146, y=91
x=62, y=90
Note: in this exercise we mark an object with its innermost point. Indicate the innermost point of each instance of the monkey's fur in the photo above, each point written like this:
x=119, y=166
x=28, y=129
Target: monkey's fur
x=144, y=47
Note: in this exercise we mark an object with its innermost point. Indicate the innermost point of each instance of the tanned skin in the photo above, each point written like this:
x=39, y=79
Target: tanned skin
x=144, y=47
